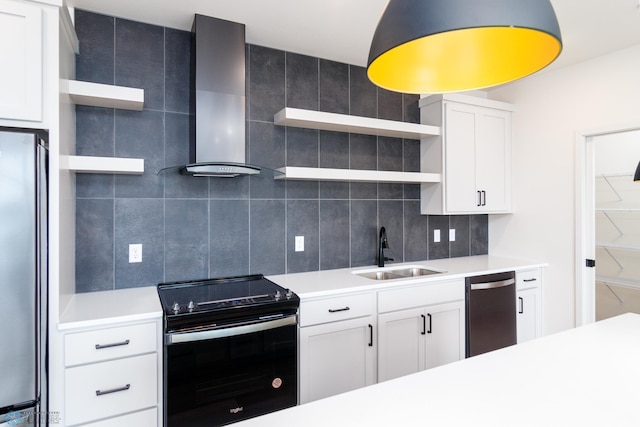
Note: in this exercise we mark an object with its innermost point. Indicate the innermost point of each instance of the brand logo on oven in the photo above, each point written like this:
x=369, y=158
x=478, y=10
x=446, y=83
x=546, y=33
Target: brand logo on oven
x=236, y=410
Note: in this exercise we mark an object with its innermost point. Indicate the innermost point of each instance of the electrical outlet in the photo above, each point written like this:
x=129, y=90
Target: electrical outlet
x=135, y=252
x=452, y=234
x=299, y=243
x=436, y=236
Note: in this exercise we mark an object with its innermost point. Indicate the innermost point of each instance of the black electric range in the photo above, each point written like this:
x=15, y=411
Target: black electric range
x=230, y=349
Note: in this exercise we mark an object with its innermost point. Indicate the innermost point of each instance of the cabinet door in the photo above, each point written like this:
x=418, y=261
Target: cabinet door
x=477, y=159
x=460, y=142
x=493, y=159
x=401, y=343
x=21, y=53
x=445, y=334
x=336, y=358
x=528, y=314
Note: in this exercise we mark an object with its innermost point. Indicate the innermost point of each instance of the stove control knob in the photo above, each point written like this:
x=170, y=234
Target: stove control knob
x=176, y=307
x=191, y=306
x=289, y=294
x=277, y=295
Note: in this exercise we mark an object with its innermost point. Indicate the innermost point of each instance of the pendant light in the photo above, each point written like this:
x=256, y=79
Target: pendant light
x=636, y=177
x=440, y=46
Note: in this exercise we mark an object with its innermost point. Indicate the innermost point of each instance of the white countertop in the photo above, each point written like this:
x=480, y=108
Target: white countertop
x=586, y=376
x=105, y=307
x=331, y=282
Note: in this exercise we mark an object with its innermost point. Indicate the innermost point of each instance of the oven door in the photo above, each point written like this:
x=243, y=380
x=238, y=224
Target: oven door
x=219, y=376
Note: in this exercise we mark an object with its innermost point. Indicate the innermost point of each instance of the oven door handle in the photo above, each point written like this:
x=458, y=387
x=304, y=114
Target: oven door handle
x=182, y=337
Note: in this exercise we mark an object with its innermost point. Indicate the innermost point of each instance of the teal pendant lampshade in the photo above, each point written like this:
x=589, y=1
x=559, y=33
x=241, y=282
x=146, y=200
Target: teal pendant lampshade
x=439, y=46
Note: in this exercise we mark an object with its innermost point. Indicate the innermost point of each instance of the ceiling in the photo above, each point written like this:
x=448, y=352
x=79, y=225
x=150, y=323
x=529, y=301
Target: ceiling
x=341, y=30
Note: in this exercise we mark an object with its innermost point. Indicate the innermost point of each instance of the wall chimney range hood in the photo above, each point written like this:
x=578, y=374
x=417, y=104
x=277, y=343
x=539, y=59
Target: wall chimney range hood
x=217, y=134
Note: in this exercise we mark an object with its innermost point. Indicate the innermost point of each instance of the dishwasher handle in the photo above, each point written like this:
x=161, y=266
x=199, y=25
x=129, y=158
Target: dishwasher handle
x=492, y=285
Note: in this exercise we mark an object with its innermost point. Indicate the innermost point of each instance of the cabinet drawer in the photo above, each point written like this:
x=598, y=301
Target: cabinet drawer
x=337, y=308
x=148, y=418
x=111, y=388
x=109, y=343
x=528, y=279
x=421, y=295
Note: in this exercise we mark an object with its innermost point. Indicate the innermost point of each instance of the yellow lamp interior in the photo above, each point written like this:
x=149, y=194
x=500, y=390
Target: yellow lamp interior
x=468, y=59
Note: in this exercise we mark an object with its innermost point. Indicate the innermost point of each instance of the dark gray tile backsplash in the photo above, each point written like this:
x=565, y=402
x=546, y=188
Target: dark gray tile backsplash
x=193, y=228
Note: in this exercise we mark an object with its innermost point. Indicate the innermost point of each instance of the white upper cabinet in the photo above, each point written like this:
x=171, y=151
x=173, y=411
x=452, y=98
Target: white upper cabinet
x=473, y=155
x=21, y=52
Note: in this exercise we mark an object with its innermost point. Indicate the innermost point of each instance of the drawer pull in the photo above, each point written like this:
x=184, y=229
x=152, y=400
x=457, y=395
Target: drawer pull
x=113, y=390
x=115, y=344
x=530, y=280
x=337, y=310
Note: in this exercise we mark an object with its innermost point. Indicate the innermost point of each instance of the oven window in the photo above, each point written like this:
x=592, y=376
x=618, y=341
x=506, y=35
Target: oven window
x=220, y=381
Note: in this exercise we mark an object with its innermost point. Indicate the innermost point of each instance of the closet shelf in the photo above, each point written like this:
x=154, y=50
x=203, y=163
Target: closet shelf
x=102, y=95
x=355, y=175
x=92, y=164
x=310, y=119
x=619, y=281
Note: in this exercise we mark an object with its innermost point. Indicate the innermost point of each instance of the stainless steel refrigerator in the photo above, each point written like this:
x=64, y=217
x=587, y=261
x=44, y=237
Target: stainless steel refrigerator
x=23, y=277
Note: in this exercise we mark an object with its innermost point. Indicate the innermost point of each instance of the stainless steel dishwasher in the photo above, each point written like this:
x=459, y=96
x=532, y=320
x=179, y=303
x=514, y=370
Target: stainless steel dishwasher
x=490, y=312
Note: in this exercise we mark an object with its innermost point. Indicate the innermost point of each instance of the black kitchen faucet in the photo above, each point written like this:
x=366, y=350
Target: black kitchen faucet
x=382, y=245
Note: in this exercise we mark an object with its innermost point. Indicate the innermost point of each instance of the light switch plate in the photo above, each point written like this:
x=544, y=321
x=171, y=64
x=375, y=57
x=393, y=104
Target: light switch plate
x=452, y=234
x=436, y=236
x=299, y=243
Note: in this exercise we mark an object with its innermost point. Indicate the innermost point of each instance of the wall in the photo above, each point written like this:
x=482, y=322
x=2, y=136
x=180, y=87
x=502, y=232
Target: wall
x=193, y=228
x=550, y=108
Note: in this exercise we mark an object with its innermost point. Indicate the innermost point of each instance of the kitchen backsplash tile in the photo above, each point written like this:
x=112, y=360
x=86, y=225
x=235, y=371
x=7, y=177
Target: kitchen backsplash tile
x=334, y=87
x=302, y=81
x=96, y=63
x=303, y=219
x=334, y=234
x=266, y=83
x=94, y=246
x=177, y=54
x=139, y=60
x=186, y=248
x=205, y=227
x=267, y=236
x=228, y=237
x=362, y=93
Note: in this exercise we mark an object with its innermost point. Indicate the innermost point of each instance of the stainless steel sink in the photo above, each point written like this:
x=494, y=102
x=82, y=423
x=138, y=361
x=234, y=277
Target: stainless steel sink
x=396, y=273
x=414, y=271
x=380, y=275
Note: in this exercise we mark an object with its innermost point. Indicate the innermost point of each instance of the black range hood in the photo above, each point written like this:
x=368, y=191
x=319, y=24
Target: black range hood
x=217, y=147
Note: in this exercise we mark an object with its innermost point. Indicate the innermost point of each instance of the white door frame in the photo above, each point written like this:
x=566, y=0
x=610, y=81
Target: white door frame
x=585, y=218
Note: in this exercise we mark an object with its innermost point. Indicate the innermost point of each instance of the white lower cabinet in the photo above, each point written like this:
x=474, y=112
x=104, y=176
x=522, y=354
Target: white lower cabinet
x=337, y=345
x=528, y=305
x=113, y=376
x=414, y=339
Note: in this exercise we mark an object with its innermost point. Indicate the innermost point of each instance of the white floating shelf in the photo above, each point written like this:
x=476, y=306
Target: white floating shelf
x=101, y=95
x=354, y=124
x=619, y=281
x=356, y=175
x=91, y=164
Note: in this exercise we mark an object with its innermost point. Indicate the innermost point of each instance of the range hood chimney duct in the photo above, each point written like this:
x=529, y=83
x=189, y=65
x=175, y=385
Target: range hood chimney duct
x=217, y=146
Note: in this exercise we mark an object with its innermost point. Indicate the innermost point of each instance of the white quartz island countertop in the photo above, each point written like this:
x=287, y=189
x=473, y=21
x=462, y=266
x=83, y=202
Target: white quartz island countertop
x=588, y=376
x=331, y=282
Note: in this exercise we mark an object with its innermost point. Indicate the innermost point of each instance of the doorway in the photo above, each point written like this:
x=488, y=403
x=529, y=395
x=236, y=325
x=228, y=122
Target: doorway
x=608, y=224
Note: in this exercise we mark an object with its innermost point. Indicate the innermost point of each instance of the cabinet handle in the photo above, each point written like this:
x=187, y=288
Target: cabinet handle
x=370, y=335
x=115, y=344
x=113, y=390
x=484, y=198
x=424, y=324
x=479, y=198
x=521, y=305
x=338, y=310
x=530, y=280
x=430, y=324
